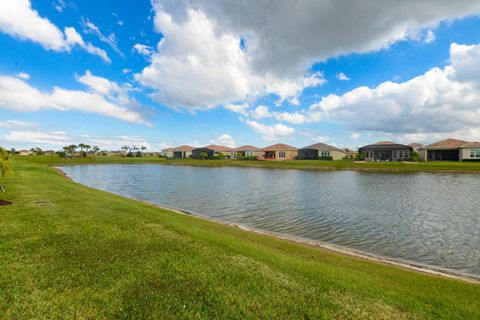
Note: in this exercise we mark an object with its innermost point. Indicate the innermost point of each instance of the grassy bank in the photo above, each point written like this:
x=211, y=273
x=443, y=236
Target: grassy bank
x=438, y=166
x=67, y=251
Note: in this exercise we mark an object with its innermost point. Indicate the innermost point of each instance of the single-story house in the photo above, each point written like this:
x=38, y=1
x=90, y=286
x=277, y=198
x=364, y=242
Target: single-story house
x=320, y=151
x=213, y=150
x=470, y=151
x=247, y=151
x=167, y=153
x=451, y=150
x=386, y=151
x=181, y=152
x=416, y=147
x=279, y=152
x=444, y=150
x=24, y=153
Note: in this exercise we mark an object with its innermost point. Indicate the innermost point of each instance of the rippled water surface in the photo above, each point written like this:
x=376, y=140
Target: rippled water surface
x=425, y=218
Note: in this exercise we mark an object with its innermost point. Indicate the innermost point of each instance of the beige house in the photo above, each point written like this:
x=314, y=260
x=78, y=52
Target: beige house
x=416, y=147
x=444, y=150
x=470, y=152
x=320, y=151
x=279, y=152
x=213, y=150
x=247, y=151
x=181, y=152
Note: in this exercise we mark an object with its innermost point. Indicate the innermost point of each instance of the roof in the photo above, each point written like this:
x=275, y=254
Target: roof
x=247, y=147
x=385, y=145
x=471, y=145
x=279, y=147
x=183, y=148
x=446, y=144
x=416, y=145
x=322, y=146
x=216, y=148
x=168, y=150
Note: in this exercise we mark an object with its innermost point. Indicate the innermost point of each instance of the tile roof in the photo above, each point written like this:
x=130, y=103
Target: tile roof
x=217, y=148
x=183, y=148
x=385, y=145
x=322, y=146
x=446, y=144
x=279, y=147
x=471, y=145
x=416, y=145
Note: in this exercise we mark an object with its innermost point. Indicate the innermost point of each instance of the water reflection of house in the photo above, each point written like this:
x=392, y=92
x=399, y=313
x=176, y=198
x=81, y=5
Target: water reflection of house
x=279, y=152
x=320, y=151
x=451, y=150
x=247, y=151
x=386, y=151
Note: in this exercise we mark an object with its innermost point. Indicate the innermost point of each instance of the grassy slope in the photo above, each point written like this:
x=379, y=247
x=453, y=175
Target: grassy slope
x=67, y=251
x=296, y=164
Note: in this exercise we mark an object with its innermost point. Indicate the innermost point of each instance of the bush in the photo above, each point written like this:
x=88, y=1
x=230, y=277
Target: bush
x=130, y=154
x=359, y=156
x=61, y=154
x=414, y=156
x=249, y=158
x=138, y=154
x=329, y=158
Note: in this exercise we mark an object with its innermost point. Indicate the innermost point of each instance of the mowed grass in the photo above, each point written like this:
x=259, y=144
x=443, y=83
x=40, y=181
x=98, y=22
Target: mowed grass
x=437, y=166
x=71, y=252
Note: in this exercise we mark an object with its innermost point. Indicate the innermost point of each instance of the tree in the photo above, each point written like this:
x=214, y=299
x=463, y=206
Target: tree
x=87, y=147
x=143, y=149
x=81, y=146
x=414, y=156
x=72, y=149
x=95, y=149
x=203, y=155
x=134, y=149
x=5, y=167
x=37, y=151
x=125, y=148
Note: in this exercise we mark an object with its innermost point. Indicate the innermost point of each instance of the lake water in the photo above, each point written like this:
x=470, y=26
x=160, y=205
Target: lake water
x=425, y=218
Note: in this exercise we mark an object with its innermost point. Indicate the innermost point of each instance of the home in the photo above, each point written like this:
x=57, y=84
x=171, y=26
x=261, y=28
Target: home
x=451, y=150
x=247, y=151
x=279, y=152
x=24, y=153
x=416, y=147
x=167, y=153
x=320, y=151
x=181, y=152
x=213, y=150
x=386, y=151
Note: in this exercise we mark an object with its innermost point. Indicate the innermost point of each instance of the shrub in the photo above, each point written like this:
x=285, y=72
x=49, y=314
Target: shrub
x=130, y=154
x=329, y=158
x=414, y=156
x=61, y=154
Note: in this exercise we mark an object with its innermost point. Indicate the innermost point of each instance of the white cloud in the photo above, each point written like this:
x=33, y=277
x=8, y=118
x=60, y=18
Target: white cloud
x=126, y=71
x=342, y=76
x=23, y=75
x=143, y=49
x=439, y=101
x=270, y=133
x=261, y=112
x=18, y=19
x=429, y=37
x=58, y=139
x=224, y=140
x=292, y=117
x=16, y=124
x=111, y=39
x=105, y=98
x=198, y=66
x=61, y=5
x=238, y=108
x=200, y=62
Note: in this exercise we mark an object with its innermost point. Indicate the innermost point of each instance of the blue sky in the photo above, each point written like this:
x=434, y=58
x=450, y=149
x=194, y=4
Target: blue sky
x=165, y=73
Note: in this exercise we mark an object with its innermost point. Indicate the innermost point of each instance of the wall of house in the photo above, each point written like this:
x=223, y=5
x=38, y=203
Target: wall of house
x=289, y=155
x=335, y=154
x=394, y=154
x=466, y=154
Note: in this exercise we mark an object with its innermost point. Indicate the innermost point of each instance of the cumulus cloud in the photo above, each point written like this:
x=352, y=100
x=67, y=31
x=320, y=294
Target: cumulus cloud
x=58, y=139
x=20, y=20
x=342, y=76
x=103, y=97
x=439, y=101
x=273, y=132
x=198, y=66
x=23, y=75
x=143, y=49
x=224, y=140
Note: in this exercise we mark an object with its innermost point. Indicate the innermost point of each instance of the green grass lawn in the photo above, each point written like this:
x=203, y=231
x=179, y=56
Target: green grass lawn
x=68, y=251
x=293, y=164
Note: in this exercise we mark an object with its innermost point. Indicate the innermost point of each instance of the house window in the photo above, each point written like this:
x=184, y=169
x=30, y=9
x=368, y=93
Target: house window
x=475, y=153
x=281, y=154
x=325, y=154
x=400, y=154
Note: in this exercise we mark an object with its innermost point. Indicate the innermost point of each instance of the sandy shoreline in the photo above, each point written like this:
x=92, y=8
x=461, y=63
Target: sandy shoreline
x=417, y=267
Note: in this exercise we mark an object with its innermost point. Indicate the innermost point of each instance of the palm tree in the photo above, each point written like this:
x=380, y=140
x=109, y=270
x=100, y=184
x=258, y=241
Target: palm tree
x=95, y=149
x=72, y=149
x=5, y=167
x=87, y=147
x=143, y=149
x=125, y=148
x=81, y=146
x=134, y=149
